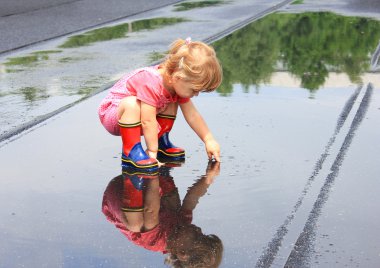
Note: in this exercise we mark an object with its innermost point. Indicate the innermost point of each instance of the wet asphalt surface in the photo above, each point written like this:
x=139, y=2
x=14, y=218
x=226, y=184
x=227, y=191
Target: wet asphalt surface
x=298, y=183
x=24, y=23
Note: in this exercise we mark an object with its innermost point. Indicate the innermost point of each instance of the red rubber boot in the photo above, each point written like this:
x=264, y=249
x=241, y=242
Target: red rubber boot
x=132, y=200
x=166, y=181
x=167, y=150
x=134, y=156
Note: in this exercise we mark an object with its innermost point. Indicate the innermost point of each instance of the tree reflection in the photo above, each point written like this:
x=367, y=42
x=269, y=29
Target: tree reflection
x=308, y=45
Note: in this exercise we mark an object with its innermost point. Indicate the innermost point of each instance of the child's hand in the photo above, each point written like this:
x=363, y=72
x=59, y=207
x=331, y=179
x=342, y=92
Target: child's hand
x=212, y=149
x=213, y=170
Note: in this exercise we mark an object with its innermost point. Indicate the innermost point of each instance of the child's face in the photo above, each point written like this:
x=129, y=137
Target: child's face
x=184, y=89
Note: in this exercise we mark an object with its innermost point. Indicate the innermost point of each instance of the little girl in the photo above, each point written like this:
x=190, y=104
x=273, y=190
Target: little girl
x=146, y=102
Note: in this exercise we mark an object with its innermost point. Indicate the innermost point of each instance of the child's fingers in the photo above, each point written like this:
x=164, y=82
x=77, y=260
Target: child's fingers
x=217, y=156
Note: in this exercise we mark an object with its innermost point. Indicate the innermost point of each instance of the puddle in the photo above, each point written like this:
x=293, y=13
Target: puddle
x=308, y=50
x=149, y=212
x=117, y=31
x=277, y=58
x=287, y=78
x=297, y=2
x=199, y=4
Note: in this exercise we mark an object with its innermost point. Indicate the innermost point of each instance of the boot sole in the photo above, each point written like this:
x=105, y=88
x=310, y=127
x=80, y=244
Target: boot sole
x=129, y=164
x=143, y=173
x=171, y=156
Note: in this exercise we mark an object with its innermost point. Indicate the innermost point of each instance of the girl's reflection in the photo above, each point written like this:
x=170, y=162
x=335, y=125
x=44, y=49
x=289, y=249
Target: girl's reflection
x=148, y=211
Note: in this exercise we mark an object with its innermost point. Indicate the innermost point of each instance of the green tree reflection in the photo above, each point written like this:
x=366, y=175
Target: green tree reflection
x=308, y=45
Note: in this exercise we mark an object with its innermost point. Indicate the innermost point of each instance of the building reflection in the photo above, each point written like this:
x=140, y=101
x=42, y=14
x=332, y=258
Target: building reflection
x=148, y=211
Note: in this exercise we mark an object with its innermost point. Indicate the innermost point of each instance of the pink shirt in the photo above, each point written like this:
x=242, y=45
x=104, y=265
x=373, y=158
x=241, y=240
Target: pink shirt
x=147, y=85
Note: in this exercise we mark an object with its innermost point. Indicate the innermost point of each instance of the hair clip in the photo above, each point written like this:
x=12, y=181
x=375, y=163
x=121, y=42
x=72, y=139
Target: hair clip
x=188, y=40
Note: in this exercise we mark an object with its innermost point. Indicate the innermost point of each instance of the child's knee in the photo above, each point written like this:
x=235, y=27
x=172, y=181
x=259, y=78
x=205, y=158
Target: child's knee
x=134, y=225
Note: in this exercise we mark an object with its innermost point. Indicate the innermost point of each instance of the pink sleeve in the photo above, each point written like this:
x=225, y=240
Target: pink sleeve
x=147, y=87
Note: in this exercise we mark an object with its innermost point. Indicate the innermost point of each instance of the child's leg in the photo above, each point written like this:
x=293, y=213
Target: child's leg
x=134, y=155
x=151, y=204
x=165, y=148
x=132, y=205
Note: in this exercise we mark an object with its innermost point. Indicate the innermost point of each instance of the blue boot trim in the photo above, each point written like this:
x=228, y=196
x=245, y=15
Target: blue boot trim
x=137, y=182
x=164, y=144
x=137, y=154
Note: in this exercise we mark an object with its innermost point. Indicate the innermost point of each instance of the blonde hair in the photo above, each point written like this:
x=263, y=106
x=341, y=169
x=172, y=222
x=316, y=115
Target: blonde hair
x=195, y=62
x=207, y=252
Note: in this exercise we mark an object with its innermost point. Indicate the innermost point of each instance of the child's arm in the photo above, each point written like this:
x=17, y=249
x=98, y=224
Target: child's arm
x=149, y=127
x=199, y=188
x=196, y=122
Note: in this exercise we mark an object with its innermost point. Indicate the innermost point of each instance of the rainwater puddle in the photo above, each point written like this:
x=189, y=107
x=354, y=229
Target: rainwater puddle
x=293, y=83
x=307, y=50
x=199, y=4
x=288, y=79
x=118, y=31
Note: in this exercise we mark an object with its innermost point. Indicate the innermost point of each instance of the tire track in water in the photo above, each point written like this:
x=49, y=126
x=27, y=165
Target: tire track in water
x=270, y=252
x=303, y=248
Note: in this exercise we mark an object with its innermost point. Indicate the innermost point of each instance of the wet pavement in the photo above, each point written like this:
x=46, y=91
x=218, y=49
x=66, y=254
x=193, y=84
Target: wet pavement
x=24, y=23
x=298, y=183
x=39, y=80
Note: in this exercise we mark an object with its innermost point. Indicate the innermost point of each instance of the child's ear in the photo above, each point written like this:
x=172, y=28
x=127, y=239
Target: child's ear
x=176, y=77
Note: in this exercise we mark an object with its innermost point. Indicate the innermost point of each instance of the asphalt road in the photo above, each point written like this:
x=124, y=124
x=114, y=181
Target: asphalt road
x=24, y=22
x=298, y=183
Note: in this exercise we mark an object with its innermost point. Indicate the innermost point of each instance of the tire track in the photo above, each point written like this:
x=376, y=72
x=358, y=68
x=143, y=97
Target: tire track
x=270, y=252
x=301, y=253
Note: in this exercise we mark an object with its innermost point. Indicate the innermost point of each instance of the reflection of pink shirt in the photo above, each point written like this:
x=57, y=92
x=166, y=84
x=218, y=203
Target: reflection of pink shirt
x=155, y=239
x=147, y=85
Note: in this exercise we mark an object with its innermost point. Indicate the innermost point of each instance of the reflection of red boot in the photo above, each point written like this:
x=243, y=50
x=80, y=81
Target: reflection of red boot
x=166, y=181
x=132, y=196
x=167, y=150
x=134, y=155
